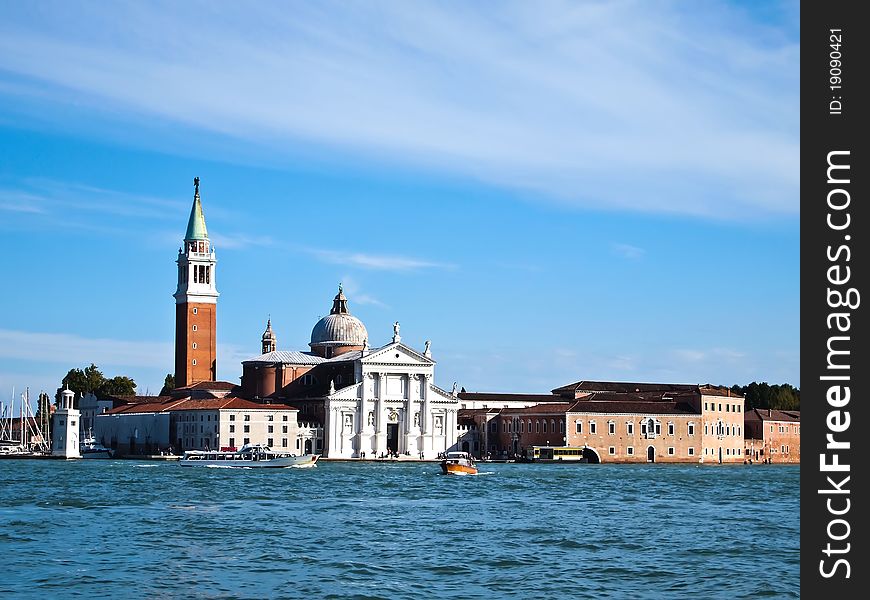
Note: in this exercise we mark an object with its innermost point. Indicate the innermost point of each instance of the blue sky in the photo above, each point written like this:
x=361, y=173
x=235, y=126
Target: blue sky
x=548, y=191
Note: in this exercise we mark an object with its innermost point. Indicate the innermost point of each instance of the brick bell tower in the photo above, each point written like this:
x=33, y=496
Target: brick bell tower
x=195, y=302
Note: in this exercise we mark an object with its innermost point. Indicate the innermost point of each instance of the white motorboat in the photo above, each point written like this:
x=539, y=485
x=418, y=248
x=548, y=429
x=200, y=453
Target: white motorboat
x=250, y=456
x=91, y=448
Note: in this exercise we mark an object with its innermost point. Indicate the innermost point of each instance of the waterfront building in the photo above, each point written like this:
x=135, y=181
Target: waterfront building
x=196, y=302
x=773, y=435
x=613, y=422
x=367, y=402
x=65, y=428
x=205, y=416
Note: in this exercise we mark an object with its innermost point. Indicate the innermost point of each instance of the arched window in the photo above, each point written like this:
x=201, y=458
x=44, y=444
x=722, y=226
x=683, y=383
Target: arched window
x=545, y=426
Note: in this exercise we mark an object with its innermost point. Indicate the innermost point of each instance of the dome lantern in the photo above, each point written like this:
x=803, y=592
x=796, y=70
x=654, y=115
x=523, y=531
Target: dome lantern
x=339, y=331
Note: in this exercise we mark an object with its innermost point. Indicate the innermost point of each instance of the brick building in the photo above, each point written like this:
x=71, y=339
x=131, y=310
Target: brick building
x=612, y=421
x=773, y=435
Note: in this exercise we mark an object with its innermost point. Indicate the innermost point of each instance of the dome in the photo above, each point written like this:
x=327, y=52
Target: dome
x=338, y=328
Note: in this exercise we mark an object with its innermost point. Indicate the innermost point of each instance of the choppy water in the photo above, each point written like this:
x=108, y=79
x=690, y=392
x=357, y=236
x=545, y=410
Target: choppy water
x=127, y=529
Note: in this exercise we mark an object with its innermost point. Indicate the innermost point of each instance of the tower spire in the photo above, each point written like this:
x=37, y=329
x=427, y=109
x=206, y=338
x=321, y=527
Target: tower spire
x=196, y=229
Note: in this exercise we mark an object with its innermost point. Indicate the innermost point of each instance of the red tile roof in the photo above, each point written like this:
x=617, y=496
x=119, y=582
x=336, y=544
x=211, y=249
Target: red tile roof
x=502, y=398
x=633, y=407
x=622, y=387
x=718, y=390
x=179, y=404
x=227, y=403
x=765, y=414
x=217, y=386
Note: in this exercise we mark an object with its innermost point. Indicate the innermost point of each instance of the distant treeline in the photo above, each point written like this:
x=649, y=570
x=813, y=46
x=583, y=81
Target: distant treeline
x=764, y=395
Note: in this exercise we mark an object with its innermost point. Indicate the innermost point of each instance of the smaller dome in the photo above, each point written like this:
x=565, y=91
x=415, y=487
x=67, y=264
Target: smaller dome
x=268, y=334
x=339, y=327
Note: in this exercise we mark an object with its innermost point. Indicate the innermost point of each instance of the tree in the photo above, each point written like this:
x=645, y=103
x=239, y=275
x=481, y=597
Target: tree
x=117, y=386
x=168, y=385
x=763, y=395
x=91, y=380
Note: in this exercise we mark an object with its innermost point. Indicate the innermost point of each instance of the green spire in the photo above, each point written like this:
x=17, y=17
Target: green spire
x=196, y=225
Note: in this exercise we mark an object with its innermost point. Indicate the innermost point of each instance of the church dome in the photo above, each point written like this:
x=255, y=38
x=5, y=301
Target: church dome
x=338, y=329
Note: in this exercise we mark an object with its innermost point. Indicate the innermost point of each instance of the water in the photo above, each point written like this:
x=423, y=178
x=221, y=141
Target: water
x=128, y=529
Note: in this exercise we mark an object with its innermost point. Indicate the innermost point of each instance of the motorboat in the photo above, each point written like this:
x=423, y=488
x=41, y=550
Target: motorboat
x=458, y=463
x=248, y=456
x=91, y=448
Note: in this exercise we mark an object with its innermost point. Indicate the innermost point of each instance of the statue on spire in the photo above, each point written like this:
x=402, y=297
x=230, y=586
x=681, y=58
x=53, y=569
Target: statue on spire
x=196, y=186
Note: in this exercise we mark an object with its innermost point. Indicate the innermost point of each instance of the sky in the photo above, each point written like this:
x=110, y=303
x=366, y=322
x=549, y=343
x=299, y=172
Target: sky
x=548, y=192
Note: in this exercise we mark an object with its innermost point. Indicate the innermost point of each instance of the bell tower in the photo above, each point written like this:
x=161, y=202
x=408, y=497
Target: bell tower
x=269, y=341
x=195, y=302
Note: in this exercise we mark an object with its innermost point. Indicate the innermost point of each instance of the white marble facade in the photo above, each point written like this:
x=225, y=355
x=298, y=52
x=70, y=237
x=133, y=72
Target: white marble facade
x=394, y=405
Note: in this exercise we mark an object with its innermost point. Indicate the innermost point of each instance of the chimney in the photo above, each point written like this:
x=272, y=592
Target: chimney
x=768, y=412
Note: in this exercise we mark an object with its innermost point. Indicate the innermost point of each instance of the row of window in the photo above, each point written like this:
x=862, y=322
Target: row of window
x=192, y=429
x=728, y=451
x=784, y=429
x=271, y=429
x=722, y=429
x=728, y=407
x=187, y=418
x=519, y=426
x=629, y=428
x=629, y=450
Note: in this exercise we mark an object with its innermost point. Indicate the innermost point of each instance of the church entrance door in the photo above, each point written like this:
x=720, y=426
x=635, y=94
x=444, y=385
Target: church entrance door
x=393, y=437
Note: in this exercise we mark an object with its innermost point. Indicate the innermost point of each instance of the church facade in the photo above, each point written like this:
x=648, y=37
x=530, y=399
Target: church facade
x=369, y=402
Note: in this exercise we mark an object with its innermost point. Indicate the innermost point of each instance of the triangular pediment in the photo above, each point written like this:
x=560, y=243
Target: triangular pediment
x=350, y=392
x=396, y=354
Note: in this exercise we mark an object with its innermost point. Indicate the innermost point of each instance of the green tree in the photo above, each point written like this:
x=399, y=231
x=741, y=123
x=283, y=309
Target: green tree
x=91, y=380
x=763, y=395
x=168, y=385
x=117, y=386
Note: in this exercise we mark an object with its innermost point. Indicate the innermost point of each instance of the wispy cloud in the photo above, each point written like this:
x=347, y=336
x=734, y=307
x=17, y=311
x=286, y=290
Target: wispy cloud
x=355, y=293
x=379, y=262
x=628, y=251
x=698, y=102
x=71, y=202
x=689, y=355
x=64, y=348
x=21, y=203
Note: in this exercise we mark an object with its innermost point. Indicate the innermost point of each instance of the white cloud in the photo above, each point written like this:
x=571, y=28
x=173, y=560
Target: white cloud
x=628, y=251
x=666, y=107
x=355, y=294
x=379, y=262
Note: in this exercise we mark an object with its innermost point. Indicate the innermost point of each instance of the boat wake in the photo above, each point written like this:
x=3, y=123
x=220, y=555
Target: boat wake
x=145, y=466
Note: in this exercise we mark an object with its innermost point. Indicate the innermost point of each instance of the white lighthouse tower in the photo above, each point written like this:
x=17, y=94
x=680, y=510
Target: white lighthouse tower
x=65, y=430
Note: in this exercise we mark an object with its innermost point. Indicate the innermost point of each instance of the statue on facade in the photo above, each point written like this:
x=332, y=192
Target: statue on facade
x=426, y=350
x=396, y=336
x=454, y=389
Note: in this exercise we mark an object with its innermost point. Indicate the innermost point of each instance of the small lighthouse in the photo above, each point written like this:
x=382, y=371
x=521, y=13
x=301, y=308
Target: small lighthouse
x=65, y=429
